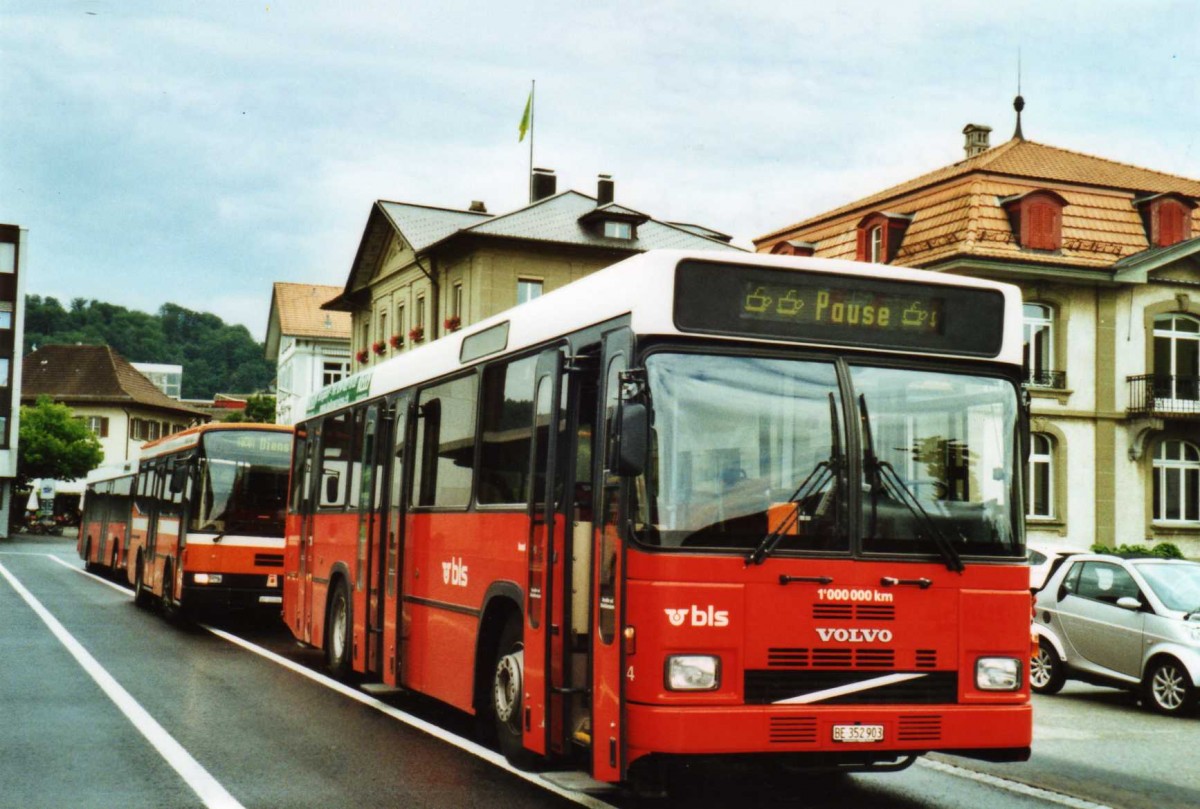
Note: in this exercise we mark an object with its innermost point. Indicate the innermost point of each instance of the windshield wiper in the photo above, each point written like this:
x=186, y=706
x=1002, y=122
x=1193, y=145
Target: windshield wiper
x=822, y=475
x=884, y=476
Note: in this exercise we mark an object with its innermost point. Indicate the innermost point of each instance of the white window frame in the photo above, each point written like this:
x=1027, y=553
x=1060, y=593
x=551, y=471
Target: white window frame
x=1182, y=469
x=1038, y=339
x=875, y=244
x=1165, y=327
x=528, y=289
x=1041, y=456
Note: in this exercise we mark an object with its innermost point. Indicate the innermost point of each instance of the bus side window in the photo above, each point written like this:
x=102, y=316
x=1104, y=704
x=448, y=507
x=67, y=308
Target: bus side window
x=609, y=508
x=301, y=470
x=335, y=455
x=445, y=451
x=506, y=430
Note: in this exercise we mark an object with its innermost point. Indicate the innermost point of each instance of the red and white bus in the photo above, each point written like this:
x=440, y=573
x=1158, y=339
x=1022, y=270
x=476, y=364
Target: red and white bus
x=689, y=508
x=104, y=525
x=206, y=518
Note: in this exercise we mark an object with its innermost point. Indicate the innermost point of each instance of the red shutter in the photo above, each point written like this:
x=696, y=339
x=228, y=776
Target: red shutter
x=864, y=245
x=1041, y=230
x=1170, y=223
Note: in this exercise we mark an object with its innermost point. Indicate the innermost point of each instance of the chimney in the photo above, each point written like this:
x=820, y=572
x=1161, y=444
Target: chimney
x=544, y=184
x=477, y=206
x=604, y=190
x=976, y=139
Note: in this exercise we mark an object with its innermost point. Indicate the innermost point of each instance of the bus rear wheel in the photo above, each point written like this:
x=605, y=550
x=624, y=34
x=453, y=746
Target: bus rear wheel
x=141, y=596
x=88, y=565
x=338, y=624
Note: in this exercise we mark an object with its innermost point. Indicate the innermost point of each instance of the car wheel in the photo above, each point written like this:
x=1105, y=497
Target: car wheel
x=1168, y=687
x=1046, y=672
x=508, y=684
x=338, y=625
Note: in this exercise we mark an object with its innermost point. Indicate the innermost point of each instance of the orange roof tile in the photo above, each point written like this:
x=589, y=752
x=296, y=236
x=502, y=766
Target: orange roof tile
x=300, y=313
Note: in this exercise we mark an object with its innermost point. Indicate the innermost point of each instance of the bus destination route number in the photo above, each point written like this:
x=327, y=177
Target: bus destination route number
x=833, y=306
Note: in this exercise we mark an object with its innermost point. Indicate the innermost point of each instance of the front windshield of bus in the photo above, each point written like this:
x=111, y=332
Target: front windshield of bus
x=241, y=485
x=734, y=438
x=938, y=461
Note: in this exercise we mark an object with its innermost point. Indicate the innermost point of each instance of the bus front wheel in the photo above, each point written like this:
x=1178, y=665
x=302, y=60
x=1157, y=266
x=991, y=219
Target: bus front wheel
x=338, y=624
x=507, y=687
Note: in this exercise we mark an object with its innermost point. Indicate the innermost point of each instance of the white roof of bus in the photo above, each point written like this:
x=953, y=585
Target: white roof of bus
x=643, y=288
x=112, y=471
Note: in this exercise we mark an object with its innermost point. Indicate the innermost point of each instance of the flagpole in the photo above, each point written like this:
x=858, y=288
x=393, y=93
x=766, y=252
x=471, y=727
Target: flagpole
x=532, y=104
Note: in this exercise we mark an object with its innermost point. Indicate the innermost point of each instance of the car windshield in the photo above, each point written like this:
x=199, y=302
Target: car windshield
x=938, y=457
x=1176, y=585
x=734, y=440
x=242, y=483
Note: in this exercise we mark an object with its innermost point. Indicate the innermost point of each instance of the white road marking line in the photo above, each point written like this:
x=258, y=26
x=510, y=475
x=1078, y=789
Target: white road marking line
x=202, y=783
x=93, y=576
x=1011, y=786
x=465, y=745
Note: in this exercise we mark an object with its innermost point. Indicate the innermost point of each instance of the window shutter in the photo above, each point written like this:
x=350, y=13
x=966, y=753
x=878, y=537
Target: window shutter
x=863, y=252
x=1042, y=233
x=104, y=426
x=1170, y=223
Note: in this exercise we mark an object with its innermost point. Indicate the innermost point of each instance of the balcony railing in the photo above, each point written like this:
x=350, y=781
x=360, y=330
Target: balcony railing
x=1164, y=396
x=1054, y=380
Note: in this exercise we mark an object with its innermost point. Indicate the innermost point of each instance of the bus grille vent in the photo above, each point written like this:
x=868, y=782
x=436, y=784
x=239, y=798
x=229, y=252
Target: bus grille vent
x=802, y=658
x=833, y=611
x=926, y=658
x=268, y=559
x=875, y=612
x=924, y=728
x=793, y=730
x=770, y=686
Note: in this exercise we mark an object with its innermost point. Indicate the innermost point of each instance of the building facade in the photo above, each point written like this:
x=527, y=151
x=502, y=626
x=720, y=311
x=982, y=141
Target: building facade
x=12, y=331
x=310, y=346
x=421, y=271
x=1107, y=256
x=121, y=406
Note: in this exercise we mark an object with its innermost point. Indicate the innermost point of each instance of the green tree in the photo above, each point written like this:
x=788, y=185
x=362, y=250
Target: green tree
x=260, y=408
x=55, y=444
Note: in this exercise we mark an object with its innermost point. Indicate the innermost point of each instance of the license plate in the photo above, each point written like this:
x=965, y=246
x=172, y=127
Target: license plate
x=858, y=733
x=270, y=599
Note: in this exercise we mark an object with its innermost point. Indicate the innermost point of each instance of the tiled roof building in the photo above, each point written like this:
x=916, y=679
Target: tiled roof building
x=421, y=271
x=310, y=345
x=1108, y=259
x=123, y=407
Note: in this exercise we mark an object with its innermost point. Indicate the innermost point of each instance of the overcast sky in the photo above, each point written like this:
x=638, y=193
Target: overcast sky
x=196, y=152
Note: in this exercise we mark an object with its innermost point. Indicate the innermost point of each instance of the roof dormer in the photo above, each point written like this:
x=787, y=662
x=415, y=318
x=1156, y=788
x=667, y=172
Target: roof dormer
x=793, y=247
x=1167, y=218
x=613, y=221
x=1036, y=218
x=880, y=235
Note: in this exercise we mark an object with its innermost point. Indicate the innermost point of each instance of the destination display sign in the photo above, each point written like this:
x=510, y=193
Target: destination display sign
x=717, y=298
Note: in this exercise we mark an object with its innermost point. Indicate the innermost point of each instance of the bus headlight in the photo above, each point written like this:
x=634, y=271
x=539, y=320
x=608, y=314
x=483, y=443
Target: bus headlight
x=207, y=578
x=998, y=674
x=693, y=673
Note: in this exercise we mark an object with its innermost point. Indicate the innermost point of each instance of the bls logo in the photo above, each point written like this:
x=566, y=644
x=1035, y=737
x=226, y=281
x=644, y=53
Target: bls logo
x=706, y=616
x=454, y=572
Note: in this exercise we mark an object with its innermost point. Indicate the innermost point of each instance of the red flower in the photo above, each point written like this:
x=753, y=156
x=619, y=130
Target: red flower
x=416, y=334
x=378, y=346
x=453, y=323
x=361, y=357
x=396, y=341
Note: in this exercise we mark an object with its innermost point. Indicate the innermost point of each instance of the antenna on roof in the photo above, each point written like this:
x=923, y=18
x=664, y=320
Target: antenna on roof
x=1019, y=101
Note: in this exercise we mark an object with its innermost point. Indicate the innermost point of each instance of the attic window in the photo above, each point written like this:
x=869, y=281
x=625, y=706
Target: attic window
x=880, y=235
x=617, y=230
x=1167, y=218
x=793, y=247
x=1036, y=219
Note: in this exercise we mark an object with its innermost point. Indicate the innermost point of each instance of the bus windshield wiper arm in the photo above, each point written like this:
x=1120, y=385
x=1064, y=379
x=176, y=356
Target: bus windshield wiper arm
x=884, y=476
x=822, y=475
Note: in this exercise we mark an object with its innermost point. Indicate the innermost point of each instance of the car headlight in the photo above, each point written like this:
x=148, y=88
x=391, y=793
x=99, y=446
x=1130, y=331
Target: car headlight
x=693, y=673
x=207, y=578
x=998, y=674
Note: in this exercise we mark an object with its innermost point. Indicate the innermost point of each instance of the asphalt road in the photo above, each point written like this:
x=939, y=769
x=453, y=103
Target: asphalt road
x=106, y=705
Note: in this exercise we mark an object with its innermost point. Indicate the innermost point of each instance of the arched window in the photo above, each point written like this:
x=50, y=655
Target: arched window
x=1039, y=482
x=1177, y=357
x=877, y=255
x=1177, y=482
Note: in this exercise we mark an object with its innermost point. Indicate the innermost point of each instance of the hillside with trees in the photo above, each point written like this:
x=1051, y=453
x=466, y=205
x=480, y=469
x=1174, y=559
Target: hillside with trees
x=216, y=357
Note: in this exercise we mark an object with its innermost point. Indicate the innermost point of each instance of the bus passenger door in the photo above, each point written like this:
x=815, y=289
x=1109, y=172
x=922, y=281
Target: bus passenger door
x=370, y=565
x=309, y=500
x=543, y=603
x=392, y=462
x=608, y=659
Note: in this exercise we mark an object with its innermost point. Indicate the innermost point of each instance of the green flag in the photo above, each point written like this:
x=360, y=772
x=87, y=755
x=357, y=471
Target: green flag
x=524, y=126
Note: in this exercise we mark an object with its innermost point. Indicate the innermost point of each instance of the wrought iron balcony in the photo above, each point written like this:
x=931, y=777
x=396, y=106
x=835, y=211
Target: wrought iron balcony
x=1164, y=396
x=1054, y=380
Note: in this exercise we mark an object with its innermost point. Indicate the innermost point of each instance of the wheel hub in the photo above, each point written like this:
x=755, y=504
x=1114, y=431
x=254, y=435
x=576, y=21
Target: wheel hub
x=507, y=685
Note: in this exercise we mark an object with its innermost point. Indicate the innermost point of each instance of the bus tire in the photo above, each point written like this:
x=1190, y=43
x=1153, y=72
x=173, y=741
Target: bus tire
x=339, y=625
x=507, y=705
x=141, y=596
x=115, y=557
x=87, y=556
x=170, y=609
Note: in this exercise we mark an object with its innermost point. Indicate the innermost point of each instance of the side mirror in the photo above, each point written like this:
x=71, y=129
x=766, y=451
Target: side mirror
x=331, y=488
x=1129, y=603
x=633, y=442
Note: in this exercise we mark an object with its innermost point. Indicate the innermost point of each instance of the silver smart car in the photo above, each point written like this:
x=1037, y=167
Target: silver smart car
x=1121, y=622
